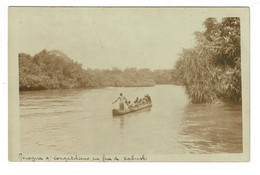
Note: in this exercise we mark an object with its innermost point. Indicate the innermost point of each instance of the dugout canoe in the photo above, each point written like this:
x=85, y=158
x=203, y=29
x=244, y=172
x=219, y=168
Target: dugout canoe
x=126, y=111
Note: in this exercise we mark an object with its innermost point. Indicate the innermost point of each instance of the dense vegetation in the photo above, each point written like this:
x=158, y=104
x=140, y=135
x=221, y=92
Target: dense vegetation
x=211, y=71
x=55, y=70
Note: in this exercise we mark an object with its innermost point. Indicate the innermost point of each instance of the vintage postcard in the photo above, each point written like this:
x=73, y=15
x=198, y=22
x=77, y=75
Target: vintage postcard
x=128, y=84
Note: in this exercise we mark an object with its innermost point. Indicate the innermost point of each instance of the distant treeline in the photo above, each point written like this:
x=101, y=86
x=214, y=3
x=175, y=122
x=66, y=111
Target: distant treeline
x=211, y=71
x=55, y=70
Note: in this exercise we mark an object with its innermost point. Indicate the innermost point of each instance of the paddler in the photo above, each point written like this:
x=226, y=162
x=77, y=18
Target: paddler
x=149, y=98
x=122, y=100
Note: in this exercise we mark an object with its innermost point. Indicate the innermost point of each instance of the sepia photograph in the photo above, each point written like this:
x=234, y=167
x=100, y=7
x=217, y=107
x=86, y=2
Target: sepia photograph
x=115, y=84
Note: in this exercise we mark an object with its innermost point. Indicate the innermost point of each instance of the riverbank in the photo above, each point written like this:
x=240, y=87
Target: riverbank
x=55, y=70
x=211, y=70
x=22, y=90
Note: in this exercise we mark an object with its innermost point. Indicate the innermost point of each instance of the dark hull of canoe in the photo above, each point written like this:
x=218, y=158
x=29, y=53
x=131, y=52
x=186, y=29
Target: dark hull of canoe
x=126, y=111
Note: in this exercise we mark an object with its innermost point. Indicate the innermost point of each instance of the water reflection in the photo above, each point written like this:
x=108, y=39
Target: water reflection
x=122, y=118
x=122, y=122
x=212, y=128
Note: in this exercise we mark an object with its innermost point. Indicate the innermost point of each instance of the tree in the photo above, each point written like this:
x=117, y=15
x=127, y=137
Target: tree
x=211, y=70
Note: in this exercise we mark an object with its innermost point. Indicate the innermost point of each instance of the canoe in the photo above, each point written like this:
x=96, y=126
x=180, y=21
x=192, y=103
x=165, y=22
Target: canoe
x=126, y=111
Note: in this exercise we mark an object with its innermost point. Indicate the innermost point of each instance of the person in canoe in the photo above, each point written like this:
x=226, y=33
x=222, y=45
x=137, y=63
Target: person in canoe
x=136, y=102
x=148, y=98
x=130, y=105
x=122, y=100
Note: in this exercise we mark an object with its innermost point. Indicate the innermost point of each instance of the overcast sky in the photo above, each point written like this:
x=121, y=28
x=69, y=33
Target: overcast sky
x=110, y=37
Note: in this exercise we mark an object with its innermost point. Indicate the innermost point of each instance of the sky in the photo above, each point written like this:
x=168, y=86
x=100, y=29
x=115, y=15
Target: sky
x=104, y=38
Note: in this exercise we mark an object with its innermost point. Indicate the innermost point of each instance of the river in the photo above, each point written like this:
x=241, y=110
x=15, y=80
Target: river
x=80, y=121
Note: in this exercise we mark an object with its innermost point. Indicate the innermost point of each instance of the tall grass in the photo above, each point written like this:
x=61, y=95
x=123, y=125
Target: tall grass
x=211, y=71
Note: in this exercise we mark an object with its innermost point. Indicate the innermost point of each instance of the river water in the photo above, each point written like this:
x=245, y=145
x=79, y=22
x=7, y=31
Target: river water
x=80, y=121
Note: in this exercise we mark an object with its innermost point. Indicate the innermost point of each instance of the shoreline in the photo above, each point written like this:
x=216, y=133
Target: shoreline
x=97, y=87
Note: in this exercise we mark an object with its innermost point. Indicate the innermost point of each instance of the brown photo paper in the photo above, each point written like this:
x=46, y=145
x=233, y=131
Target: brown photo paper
x=128, y=84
